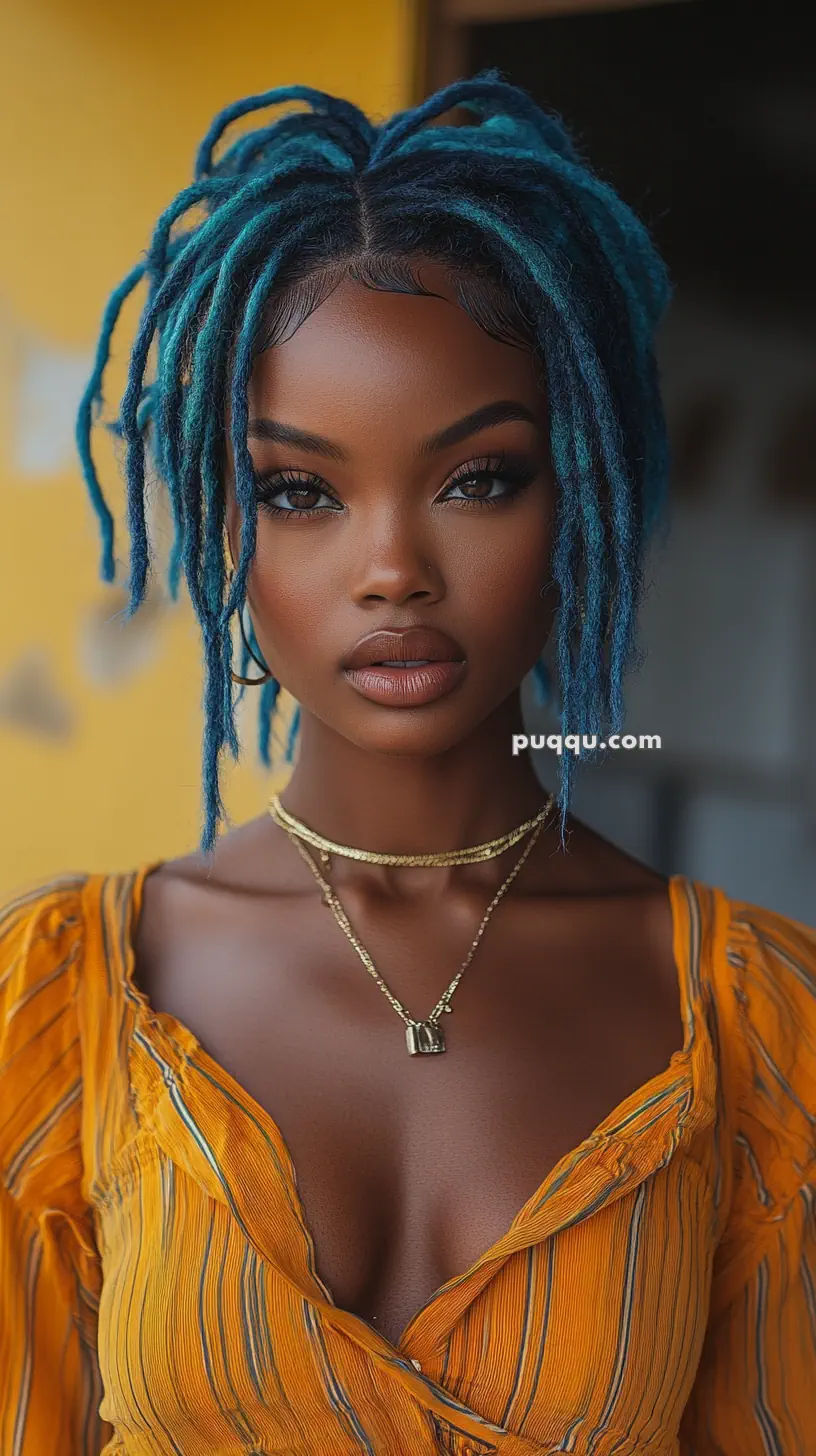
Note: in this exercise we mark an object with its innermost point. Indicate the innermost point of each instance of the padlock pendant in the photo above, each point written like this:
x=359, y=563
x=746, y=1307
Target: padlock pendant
x=424, y=1037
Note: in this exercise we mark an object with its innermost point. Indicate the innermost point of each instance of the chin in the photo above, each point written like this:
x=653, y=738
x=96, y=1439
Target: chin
x=422, y=743
x=420, y=733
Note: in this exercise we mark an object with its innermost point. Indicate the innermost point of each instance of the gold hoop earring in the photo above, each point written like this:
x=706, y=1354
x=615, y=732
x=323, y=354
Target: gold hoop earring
x=266, y=673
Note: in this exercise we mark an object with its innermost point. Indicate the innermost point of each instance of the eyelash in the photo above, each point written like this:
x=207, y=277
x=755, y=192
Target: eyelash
x=516, y=475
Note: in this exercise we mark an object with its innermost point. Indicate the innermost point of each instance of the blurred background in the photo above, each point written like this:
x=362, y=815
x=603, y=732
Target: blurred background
x=703, y=115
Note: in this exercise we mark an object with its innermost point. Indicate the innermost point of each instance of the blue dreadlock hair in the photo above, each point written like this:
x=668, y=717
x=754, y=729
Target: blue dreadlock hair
x=545, y=254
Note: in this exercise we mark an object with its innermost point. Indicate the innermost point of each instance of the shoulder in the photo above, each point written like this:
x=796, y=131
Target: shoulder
x=758, y=965
x=774, y=944
x=197, y=908
x=764, y=976
x=52, y=931
x=185, y=897
x=768, y=967
x=41, y=938
x=772, y=976
x=36, y=905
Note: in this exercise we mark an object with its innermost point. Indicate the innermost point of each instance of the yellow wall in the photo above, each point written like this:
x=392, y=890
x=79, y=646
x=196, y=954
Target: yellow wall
x=104, y=105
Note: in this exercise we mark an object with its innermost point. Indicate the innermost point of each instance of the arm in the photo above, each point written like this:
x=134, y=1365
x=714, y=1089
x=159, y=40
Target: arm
x=755, y=1393
x=50, y=1387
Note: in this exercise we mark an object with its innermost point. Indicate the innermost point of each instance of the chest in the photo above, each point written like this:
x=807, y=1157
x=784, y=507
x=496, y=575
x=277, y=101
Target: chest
x=211, y=1335
x=409, y=1167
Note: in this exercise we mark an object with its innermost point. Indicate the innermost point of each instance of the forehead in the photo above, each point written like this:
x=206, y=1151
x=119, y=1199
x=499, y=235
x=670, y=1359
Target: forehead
x=364, y=351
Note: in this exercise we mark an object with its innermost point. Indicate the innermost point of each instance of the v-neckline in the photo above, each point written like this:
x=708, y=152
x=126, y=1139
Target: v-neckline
x=600, y=1157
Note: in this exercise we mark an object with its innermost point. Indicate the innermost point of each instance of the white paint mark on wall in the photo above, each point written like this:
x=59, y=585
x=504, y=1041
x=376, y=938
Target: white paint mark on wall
x=50, y=382
x=30, y=699
x=112, y=647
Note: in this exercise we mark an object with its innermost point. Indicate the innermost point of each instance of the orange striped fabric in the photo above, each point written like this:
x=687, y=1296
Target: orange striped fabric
x=158, y=1288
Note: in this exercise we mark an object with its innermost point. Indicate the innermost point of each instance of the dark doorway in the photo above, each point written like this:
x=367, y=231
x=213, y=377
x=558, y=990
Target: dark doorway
x=703, y=115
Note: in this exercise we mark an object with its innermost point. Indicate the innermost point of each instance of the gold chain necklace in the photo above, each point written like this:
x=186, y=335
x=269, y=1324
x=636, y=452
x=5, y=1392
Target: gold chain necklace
x=474, y=854
x=421, y=1036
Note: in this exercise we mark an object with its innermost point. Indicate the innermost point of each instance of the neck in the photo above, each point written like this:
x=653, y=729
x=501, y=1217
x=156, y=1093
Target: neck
x=396, y=804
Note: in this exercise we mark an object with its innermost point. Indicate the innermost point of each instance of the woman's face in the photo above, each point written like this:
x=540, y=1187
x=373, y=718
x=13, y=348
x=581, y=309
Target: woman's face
x=404, y=482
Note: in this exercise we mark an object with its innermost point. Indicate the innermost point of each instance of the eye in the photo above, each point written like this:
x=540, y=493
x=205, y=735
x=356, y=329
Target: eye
x=295, y=493
x=489, y=482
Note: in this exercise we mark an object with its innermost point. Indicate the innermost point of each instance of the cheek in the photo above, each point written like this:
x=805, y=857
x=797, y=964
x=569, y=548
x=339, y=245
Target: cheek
x=290, y=592
x=504, y=574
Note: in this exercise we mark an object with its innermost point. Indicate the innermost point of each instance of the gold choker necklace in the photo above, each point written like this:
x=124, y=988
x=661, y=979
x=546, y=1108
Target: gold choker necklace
x=475, y=854
x=422, y=1037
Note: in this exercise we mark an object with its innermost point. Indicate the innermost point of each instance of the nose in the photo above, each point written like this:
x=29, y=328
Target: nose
x=395, y=566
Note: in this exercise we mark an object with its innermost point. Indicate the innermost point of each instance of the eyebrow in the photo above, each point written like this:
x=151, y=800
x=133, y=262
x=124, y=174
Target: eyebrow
x=281, y=434
x=500, y=412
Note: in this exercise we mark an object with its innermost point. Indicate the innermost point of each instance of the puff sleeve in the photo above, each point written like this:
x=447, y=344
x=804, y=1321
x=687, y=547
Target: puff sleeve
x=50, y=1387
x=755, y=1391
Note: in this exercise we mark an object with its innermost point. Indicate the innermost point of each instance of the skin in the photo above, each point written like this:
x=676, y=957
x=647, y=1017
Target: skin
x=410, y=1168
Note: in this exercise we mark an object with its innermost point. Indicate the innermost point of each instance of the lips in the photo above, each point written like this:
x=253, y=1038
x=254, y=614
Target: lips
x=405, y=669
x=412, y=644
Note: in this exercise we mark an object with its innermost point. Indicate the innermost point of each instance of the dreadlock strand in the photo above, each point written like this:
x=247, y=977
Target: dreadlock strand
x=175, y=345
x=133, y=435
x=319, y=100
x=267, y=708
x=482, y=91
x=244, y=477
x=93, y=397
x=207, y=190
x=211, y=353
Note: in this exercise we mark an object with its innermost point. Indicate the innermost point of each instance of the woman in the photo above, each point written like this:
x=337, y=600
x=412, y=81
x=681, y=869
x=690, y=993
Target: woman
x=261, y=1193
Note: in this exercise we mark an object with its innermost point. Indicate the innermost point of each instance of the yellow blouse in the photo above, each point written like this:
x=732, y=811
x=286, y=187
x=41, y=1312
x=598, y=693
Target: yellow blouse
x=158, y=1289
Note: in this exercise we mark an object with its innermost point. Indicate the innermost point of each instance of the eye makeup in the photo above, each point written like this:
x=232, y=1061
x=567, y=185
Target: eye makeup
x=501, y=477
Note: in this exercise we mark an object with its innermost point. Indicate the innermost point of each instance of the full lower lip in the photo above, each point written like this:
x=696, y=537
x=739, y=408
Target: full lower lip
x=406, y=687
